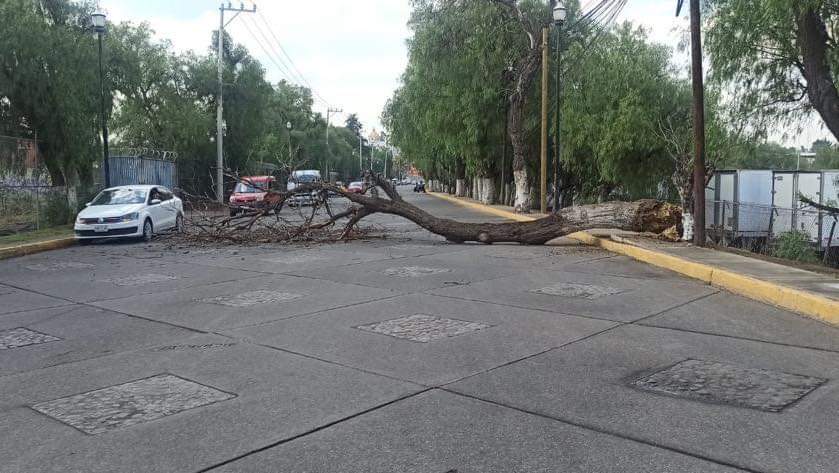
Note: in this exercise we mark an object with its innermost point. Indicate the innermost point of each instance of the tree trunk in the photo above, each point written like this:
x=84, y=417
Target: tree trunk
x=487, y=190
x=640, y=216
x=813, y=41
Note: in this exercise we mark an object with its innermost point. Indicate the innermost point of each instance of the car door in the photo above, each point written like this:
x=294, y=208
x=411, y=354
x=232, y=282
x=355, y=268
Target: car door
x=156, y=210
x=168, y=207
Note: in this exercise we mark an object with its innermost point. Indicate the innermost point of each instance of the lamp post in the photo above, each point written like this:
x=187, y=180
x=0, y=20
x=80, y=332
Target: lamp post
x=288, y=127
x=98, y=22
x=559, y=14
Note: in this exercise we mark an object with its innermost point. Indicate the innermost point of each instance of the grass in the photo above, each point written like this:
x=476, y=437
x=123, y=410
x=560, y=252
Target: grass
x=35, y=236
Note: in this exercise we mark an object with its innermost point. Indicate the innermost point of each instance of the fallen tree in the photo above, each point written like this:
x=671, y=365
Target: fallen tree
x=640, y=216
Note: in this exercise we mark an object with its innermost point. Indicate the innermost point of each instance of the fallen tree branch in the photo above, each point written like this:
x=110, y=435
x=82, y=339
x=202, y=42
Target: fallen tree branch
x=642, y=216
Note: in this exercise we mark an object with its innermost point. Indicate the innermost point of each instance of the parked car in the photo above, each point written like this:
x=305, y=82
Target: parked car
x=356, y=187
x=250, y=193
x=129, y=212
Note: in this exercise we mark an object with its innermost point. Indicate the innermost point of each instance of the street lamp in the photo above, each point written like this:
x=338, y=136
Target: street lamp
x=98, y=22
x=559, y=15
x=288, y=127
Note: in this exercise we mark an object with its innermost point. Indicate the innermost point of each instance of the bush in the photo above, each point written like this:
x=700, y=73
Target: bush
x=796, y=246
x=56, y=210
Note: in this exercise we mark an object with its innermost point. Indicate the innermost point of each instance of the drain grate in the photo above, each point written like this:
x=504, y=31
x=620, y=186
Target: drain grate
x=423, y=328
x=139, y=279
x=59, y=266
x=583, y=291
x=131, y=403
x=247, y=299
x=23, y=337
x=765, y=390
x=414, y=271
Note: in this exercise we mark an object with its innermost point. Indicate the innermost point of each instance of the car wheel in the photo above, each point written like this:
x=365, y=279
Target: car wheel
x=148, y=230
x=233, y=212
x=179, y=223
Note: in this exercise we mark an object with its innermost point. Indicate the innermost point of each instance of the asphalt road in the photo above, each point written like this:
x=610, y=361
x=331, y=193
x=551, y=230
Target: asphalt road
x=406, y=354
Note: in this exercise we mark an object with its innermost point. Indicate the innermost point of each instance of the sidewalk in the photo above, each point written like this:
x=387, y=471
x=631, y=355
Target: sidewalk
x=805, y=292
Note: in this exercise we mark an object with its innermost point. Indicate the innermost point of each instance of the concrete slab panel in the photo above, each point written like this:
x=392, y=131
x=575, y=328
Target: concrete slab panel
x=441, y=432
x=621, y=266
x=592, y=383
x=16, y=300
x=243, y=303
x=414, y=274
x=278, y=396
x=127, y=404
x=729, y=314
x=114, y=278
x=621, y=299
x=80, y=332
x=507, y=335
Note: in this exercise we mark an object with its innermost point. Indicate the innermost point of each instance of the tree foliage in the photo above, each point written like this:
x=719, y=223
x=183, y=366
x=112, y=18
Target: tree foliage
x=781, y=58
x=155, y=98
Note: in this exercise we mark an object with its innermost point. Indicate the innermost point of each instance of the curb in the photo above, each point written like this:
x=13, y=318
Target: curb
x=805, y=303
x=31, y=248
x=484, y=208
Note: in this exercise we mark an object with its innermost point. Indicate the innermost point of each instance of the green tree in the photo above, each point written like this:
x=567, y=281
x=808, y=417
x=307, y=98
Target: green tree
x=780, y=56
x=49, y=83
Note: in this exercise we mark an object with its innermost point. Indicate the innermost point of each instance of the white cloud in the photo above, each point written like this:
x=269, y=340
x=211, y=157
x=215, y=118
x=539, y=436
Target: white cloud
x=352, y=53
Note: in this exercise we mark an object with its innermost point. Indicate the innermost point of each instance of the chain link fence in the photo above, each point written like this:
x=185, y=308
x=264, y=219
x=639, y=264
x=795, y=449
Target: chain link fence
x=800, y=234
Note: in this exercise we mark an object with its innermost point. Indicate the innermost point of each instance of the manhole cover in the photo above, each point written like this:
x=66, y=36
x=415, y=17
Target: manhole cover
x=131, y=403
x=208, y=346
x=139, y=279
x=247, y=299
x=423, y=328
x=59, y=266
x=23, y=337
x=720, y=383
x=414, y=271
x=585, y=291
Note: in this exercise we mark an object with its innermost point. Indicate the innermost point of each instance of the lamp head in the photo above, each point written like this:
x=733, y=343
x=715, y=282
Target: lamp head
x=98, y=22
x=560, y=13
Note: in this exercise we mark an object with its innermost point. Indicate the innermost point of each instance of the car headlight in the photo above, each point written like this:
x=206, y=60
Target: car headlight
x=130, y=217
x=79, y=220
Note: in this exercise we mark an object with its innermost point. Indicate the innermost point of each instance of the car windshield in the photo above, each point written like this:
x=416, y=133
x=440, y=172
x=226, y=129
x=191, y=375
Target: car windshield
x=306, y=178
x=120, y=197
x=355, y=184
x=250, y=188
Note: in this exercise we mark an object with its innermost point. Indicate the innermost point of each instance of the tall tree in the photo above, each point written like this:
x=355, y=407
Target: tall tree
x=780, y=55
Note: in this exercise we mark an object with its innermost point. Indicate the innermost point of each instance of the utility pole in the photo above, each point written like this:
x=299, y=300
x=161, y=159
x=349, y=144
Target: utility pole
x=329, y=112
x=360, y=156
x=543, y=165
x=698, y=121
x=220, y=100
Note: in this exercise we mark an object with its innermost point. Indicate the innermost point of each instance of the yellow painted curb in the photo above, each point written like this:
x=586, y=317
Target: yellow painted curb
x=796, y=300
x=30, y=248
x=484, y=208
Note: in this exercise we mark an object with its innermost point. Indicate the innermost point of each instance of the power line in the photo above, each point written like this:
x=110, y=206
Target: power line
x=288, y=57
x=283, y=69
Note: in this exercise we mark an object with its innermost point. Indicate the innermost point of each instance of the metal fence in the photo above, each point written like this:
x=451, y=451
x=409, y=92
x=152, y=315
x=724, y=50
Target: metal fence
x=798, y=233
x=32, y=207
x=143, y=166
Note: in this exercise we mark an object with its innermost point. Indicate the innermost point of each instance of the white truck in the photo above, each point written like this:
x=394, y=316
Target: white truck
x=301, y=178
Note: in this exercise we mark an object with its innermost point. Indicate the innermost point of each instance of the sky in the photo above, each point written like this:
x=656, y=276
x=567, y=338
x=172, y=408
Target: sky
x=351, y=53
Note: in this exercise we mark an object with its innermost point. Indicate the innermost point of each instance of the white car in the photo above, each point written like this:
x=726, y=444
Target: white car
x=130, y=211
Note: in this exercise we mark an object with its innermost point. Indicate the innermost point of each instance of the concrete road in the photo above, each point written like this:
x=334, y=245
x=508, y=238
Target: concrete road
x=400, y=355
